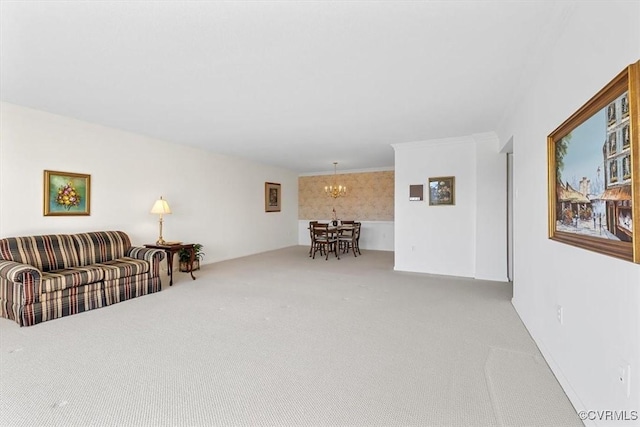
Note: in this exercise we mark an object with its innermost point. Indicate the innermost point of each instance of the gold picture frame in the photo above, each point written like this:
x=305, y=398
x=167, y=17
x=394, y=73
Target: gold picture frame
x=66, y=193
x=593, y=184
x=272, y=197
x=442, y=191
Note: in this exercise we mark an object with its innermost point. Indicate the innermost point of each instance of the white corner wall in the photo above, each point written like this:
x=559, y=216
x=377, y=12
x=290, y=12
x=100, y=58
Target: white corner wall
x=600, y=295
x=467, y=239
x=216, y=200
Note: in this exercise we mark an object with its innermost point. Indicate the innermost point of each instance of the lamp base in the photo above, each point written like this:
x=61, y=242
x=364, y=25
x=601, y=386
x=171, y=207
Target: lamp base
x=160, y=240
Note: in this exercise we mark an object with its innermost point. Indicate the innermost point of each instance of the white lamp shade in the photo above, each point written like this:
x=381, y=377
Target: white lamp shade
x=161, y=207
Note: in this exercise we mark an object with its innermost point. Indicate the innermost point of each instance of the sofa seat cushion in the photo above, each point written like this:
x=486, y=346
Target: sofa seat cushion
x=70, y=277
x=123, y=267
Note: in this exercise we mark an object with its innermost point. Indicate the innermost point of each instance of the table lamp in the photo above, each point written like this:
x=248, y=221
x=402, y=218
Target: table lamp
x=160, y=207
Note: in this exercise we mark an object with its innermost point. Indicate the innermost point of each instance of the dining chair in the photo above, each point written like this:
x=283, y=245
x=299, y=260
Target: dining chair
x=359, y=224
x=348, y=239
x=311, y=236
x=345, y=232
x=324, y=240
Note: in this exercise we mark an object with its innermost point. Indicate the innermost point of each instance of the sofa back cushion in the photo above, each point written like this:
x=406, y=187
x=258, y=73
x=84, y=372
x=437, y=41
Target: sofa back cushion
x=46, y=253
x=101, y=246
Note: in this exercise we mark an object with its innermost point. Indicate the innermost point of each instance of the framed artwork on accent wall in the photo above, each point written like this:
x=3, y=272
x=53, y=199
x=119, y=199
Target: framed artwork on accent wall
x=593, y=181
x=442, y=191
x=66, y=193
x=272, y=197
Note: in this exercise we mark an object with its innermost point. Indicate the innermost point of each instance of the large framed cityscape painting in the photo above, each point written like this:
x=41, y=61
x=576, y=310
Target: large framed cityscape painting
x=593, y=172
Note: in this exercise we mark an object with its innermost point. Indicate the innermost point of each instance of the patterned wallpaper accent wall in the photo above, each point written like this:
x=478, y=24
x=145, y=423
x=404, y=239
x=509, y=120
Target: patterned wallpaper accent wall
x=369, y=197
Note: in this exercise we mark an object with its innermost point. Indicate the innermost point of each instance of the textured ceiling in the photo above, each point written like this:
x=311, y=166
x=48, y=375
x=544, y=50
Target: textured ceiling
x=293, y=84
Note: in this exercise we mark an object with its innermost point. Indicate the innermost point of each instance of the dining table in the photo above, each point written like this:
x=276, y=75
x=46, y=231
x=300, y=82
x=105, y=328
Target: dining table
x=335, y=230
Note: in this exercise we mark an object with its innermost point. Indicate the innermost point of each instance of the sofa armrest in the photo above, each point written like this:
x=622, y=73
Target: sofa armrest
x=151, y=255
x=26, y=276
x=16, y=271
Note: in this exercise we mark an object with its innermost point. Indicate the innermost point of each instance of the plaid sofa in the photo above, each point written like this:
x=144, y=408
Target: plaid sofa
x=51, y=276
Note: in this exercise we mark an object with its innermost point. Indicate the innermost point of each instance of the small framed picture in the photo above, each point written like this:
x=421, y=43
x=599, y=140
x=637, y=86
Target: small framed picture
x=66, y=193
x=272, y=197
x=442, y=190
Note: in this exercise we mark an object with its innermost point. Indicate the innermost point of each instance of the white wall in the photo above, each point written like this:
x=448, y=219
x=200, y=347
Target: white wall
x=216, y=200
x=600, y=295
x=467, y=239
x=491, y=205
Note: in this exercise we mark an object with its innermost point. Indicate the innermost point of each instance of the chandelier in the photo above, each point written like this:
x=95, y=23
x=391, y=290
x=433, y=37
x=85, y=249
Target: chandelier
x=335, y=190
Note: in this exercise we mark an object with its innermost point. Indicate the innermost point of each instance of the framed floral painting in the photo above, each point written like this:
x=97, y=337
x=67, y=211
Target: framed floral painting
x=66, y=193
x=592, y=168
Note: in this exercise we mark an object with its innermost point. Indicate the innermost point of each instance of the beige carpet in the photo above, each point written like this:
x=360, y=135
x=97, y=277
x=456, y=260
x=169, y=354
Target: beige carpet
x=279, y=339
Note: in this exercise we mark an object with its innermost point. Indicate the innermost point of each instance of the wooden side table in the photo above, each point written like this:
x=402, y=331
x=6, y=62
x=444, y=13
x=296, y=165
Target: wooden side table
x=170, y=251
